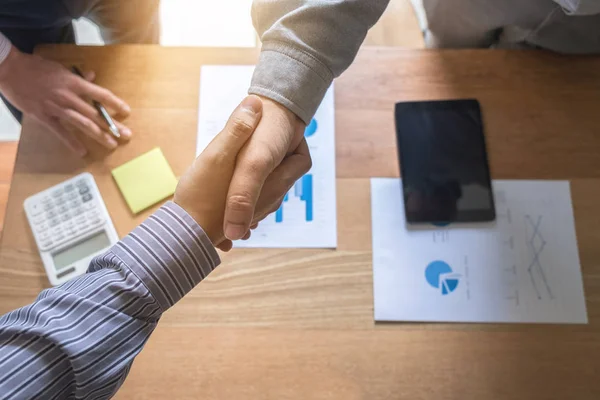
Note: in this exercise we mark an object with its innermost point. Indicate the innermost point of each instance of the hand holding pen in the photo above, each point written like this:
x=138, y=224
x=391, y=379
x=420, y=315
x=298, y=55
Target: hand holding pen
x=47, y=92
x=107, y=120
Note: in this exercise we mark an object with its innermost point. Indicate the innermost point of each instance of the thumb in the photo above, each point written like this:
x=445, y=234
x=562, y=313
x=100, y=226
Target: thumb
x=239, y=127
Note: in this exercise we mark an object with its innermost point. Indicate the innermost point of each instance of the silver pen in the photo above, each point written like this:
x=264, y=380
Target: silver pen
x=105, y=115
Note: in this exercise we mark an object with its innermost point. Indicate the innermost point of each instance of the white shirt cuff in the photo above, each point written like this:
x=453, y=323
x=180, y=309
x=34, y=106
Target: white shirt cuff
x=4, y=47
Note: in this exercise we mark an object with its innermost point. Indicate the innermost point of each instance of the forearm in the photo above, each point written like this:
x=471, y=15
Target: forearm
x=306, y=44
x=79, y=339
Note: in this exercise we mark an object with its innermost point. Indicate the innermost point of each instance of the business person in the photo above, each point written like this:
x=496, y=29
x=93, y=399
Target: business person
x=50, y=93
x=57, y=347
x=306, y=43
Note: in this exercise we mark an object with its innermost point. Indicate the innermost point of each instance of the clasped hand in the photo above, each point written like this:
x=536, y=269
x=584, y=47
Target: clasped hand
x=244, y=173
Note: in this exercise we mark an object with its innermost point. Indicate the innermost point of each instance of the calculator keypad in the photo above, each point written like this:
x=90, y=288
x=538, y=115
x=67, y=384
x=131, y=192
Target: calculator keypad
x=68, y=212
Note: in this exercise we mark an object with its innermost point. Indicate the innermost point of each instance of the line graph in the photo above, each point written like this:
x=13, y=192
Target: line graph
x=536, y=245
x=511, y=284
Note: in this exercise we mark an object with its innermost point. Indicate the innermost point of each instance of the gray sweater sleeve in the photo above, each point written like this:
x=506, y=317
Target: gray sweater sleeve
x=307, y=43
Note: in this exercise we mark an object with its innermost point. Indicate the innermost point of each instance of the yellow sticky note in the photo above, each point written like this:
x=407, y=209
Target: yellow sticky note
x=145, y=180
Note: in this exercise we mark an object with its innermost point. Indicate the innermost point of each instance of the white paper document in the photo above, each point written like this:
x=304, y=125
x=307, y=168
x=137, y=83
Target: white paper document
x=523, y=267
x=307, y=217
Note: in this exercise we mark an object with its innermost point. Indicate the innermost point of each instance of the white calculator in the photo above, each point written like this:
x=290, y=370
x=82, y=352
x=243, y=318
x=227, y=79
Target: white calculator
x=71, y=226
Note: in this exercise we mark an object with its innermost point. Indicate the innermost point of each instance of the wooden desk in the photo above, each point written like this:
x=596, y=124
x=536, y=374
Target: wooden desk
x=298, y=324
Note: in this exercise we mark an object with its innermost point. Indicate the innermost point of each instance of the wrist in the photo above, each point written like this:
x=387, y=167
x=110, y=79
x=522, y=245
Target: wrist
x=289, y=114
x=212, y=227
x=288, y=120
x=213, y=230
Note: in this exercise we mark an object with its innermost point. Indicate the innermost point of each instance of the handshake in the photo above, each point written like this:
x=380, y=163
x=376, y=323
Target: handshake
x=239, y=179
x=245, y=172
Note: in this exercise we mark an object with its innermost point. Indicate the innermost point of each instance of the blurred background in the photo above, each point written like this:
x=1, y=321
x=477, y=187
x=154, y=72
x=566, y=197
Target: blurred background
x=223, y=23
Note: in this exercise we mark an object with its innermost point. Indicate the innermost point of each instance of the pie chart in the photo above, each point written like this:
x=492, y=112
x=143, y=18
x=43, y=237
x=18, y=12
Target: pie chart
x=311, y=129
x=440, y=276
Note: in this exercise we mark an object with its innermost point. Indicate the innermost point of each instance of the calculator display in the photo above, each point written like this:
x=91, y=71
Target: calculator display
x=68, y=256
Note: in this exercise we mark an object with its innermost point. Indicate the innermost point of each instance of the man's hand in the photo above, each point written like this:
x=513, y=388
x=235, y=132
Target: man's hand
x=202, y=190
x=278, y=137
x=59, y=99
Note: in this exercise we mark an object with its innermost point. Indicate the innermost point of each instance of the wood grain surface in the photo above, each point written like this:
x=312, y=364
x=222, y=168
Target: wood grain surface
x=8, y=153
x=298, y=324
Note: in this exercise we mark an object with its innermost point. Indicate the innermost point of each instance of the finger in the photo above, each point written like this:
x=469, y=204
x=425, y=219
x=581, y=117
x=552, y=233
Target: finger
x=304, y=151
x=276, y=205
x=254, y=226
x=124, y=131
x=282, y=179
x=247, y=235
x=106, y=97
x=266, y=208
x=71, y=100
x=240, y=126
x=225, y=245
x=298, y=135
x=65, y=136
x=89, y=128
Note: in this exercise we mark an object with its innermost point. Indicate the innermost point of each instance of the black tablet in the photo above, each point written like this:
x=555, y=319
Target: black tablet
x=443, y=162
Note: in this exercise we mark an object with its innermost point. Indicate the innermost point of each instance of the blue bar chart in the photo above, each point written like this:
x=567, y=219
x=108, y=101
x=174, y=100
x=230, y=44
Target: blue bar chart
x=303, y=190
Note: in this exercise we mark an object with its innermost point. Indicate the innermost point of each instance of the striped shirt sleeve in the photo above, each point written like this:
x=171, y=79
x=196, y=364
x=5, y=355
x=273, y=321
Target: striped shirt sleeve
x=5, y=47
x=78, y=340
